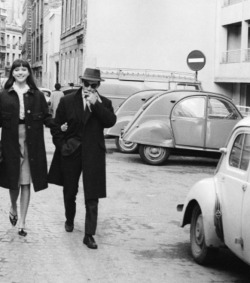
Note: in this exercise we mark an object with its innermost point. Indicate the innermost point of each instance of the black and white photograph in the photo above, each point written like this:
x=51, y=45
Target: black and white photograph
x=124, y=141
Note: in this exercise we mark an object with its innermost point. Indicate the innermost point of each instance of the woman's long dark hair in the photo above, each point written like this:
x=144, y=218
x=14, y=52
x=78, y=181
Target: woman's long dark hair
x=30, y=80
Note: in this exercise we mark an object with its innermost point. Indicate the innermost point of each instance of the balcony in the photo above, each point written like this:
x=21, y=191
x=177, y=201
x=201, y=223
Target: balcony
x=236, y=56
x=234, y=66
x=246, y=55
x=232, y=2
x=3, y=12
x=2, y=48
x=232, y=56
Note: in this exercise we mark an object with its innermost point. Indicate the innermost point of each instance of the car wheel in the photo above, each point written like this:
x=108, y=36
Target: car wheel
x=200, y=252
x=125, y=147
x=154, y=155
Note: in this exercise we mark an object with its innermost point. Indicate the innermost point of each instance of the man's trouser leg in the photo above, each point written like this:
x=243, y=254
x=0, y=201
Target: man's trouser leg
x=91, y=216
x=72, y=168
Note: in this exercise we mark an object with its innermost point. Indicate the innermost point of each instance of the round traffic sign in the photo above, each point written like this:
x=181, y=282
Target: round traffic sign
x=196, y=60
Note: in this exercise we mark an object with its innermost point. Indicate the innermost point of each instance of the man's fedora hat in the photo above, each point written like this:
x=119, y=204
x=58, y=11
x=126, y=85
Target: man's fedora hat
x=92, y=75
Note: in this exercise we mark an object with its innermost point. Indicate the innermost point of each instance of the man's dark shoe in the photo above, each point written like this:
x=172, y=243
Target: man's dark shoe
x=69, y=228
x=89, y=241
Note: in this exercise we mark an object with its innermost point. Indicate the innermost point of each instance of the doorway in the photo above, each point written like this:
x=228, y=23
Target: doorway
x=248, y=95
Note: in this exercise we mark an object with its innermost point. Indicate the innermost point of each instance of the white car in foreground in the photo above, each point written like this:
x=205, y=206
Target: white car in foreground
x=218, y=208
x=47, y=93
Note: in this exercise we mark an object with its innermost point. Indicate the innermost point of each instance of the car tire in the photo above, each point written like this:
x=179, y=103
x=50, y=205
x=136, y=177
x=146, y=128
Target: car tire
x=154, y=155
x=125, y=147
x=200, y=252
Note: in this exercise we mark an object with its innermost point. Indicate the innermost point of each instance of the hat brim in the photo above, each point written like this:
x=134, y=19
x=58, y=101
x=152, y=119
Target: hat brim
x=91, y=79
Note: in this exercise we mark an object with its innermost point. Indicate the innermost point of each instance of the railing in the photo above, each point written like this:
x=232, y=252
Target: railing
x=244, y=110
x=247, y=55
x=232, y=56
x=232, y=2
x=146, y=75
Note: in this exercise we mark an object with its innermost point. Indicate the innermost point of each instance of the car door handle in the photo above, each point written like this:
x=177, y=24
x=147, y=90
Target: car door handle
x=244, y=187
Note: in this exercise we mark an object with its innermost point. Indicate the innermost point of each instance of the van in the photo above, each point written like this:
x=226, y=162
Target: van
x=119, y=84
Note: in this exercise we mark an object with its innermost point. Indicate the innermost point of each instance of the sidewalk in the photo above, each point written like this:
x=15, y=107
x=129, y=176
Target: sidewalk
x=49, y=254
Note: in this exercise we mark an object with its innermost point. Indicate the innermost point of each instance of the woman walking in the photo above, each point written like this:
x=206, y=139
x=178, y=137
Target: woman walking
x=23, y=112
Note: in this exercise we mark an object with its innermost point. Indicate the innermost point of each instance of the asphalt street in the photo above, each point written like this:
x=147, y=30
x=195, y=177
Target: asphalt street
x=138, y=235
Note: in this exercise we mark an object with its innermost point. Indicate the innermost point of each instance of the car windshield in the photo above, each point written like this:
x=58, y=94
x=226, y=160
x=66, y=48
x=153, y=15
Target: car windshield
x=240, y=153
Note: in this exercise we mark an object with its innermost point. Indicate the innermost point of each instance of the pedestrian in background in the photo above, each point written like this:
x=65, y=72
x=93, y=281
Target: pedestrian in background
x=23, y=111
x=56, y=95
x=81, y=149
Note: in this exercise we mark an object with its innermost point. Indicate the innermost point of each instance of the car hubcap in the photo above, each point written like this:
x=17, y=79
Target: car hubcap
x=199, y=236
x=127, y=145
x=154, y=153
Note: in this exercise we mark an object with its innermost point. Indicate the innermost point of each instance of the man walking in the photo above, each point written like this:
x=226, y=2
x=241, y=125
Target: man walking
x=56, y=95
x=80, y=148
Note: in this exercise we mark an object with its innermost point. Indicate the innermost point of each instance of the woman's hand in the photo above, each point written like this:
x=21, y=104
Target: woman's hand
x=64, y=127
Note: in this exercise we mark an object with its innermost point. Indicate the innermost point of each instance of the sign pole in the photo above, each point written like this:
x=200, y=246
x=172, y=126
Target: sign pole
x=196, y=60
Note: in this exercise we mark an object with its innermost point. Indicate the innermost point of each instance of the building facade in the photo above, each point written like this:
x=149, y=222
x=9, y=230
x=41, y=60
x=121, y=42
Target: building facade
x=51, y=45
x=26, y=30
x=13, y=45
x=232, y=73
x=11, y=34
x=37, y=8
x=74, y=22
x=3, y=16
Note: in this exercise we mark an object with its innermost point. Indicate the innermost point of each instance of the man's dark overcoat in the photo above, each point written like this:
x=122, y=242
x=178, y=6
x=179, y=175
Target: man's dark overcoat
x=85, y=128
x=36, y=115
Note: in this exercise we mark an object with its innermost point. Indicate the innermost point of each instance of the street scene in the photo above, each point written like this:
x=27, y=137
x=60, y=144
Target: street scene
x=139, y=235
x=124, y=141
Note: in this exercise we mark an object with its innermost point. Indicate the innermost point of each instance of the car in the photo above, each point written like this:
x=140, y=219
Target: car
x=47, y=93
x=124, y=115
x=217, y=208
x=71, y=88
x=182, y=122
x=128, y=108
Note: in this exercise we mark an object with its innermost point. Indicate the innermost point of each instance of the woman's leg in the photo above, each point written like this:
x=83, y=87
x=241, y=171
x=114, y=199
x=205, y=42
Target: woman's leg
x=24, y=204
x=13, y=199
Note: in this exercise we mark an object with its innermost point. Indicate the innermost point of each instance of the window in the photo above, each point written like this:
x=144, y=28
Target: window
x=191, y=107
x=68, y=14
x=221, y=109
x=78, y=12
x=64, y=16
x=73, y=19
x=240, y=153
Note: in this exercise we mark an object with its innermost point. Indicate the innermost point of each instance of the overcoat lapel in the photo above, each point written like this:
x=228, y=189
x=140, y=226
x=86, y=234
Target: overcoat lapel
x=79, y=104
x=87, y=115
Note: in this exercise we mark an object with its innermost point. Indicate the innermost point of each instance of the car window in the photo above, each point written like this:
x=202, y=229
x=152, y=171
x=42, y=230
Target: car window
x=240, y=153
x=190, y=107
x=221, y=109
x=187, y=86
x=134, y=102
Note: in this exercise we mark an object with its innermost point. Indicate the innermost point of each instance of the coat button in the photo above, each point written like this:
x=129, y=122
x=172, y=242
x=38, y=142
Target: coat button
x=28, y=111
x=29, y=127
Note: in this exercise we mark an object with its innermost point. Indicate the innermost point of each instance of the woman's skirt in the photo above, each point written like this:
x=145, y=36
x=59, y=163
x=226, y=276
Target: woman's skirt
x=25, y=177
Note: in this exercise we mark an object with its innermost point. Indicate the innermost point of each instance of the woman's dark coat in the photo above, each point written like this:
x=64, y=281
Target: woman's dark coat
x=85, y=128
x=36, y=115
